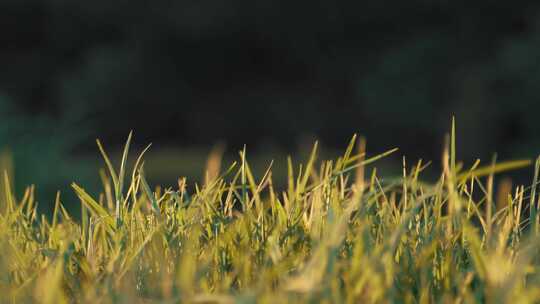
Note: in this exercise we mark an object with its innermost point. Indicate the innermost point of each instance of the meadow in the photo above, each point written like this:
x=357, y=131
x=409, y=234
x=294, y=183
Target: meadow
x=338, y=233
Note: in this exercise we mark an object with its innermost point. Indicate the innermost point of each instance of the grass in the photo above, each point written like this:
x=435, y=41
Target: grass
x=338, y=233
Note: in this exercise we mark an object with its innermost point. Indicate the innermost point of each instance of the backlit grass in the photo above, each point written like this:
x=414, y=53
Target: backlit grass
x=339, y=233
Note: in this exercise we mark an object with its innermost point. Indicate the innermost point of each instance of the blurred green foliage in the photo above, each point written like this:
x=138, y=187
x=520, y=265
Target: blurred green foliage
x=38, y=150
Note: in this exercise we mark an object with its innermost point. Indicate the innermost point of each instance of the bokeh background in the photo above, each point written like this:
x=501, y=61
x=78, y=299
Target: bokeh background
x=271, y=74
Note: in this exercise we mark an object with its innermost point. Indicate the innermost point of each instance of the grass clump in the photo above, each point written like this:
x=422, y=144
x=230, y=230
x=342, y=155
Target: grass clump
x=336, y=234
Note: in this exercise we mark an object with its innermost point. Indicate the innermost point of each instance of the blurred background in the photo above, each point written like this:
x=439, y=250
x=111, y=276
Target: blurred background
x=274, y=75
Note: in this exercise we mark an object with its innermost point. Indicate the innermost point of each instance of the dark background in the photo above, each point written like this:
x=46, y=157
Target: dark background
x=271, y=74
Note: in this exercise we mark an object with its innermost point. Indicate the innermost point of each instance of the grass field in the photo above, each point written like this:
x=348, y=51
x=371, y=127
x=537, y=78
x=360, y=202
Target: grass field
x=338, y=233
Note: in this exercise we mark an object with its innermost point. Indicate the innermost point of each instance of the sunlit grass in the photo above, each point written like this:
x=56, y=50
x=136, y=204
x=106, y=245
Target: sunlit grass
x=338, y=233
